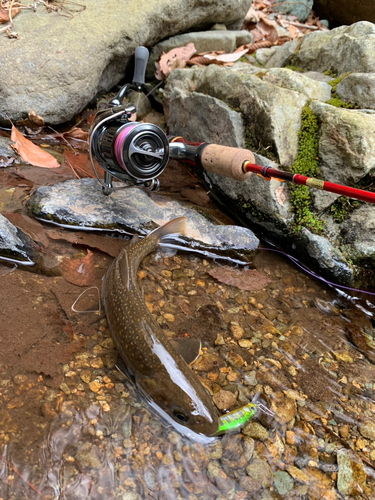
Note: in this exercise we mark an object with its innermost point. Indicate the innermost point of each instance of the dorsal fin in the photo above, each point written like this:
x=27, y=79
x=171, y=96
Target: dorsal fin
x=188, y=349
x=171, y=228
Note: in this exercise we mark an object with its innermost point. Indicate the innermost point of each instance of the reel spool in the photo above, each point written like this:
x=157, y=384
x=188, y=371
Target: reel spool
x=132, y=152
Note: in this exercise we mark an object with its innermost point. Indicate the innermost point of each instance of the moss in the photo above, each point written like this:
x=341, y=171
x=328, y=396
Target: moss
x=329, y=72
x=244, y=59
x=294, y=68
x=342, y=208
x=335, y=101
x=306, y=163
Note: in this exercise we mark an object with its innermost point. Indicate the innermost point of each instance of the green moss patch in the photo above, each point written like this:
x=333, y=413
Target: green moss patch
x=335, y=101
x=342, y=208
x=294, y=68
x=306, y=163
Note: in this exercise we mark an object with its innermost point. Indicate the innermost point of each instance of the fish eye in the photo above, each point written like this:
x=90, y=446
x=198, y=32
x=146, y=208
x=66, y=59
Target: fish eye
x=180, y=416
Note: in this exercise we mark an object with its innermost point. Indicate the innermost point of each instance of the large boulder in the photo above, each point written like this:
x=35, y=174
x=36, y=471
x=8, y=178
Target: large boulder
x=300, y=9
x=59, y=63
x=358, y=89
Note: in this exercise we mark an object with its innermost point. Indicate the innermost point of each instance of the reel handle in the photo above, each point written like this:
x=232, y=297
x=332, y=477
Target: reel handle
x=140, y=62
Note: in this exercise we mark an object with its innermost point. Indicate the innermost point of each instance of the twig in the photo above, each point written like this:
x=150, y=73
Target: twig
x=68, y=143
x=300, y=25
x=71, y=166
x=20, y=475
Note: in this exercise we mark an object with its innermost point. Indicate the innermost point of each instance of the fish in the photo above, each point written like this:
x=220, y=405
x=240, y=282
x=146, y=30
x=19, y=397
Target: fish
x=160, y=372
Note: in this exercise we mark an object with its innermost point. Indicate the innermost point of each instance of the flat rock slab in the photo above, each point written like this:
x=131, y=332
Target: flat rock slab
x=81, y=204
x=14, y=245
x=59, y=63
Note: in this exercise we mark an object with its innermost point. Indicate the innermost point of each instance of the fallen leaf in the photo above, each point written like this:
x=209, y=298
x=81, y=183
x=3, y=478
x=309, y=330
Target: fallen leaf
x=80, y=272
x=106, y=244
x=228, y=57
x=33, y=117
x=77, y=133
x=249, y=279
x=30, y=152
x=4, y=14
x=81, y=164
x=175, y=58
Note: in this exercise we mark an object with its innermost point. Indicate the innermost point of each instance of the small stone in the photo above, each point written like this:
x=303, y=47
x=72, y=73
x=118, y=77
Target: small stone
x=260, y=472
x=351, y=478
x=110, y=359
x=86, y=376
x=65, y=388
x=224, y=400
x=248, y=484
x=20, y=379
x=219, y=340
x=245, y=344
x=255, y=430
x=237, y=331
x=298, y=474
x=97, y=349
x=70, y=374
x=108, y=343
x=367, y=429
x=47, y=411
x=94, y=386
x=283, y=482
x=250, y=379
x=215, y=451
x=166, y=274
x=234, y=360
x=169, y=317
x=344, y=431
x=248, y=447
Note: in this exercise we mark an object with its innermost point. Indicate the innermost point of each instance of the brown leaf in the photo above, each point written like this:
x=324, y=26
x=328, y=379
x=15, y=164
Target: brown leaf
x=81, y=164
x=29, y=226
x=80, y=272
x=77, y=133
x=227, y=57
x=33, y=117
x=31, y=153
x=111, y=246
x=4, y=14
x=249, y=279
x=175, y=58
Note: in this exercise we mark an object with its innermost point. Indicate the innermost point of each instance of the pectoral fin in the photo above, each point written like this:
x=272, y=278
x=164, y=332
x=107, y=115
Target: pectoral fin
x=188, y=349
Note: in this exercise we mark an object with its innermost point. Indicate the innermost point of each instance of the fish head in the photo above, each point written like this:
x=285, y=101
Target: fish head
x=191, y=413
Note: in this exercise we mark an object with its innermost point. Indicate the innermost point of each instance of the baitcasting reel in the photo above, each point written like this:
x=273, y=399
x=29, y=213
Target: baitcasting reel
x=133, y=152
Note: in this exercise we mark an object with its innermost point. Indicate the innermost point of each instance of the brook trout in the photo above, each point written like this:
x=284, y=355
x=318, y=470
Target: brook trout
x=159, y=372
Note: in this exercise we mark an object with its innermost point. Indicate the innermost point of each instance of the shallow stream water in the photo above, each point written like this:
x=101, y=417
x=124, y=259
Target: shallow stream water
x=71, y=427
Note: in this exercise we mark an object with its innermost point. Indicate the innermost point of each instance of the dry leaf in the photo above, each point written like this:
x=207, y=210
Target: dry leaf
x=80, y=272
x=106, y=244
x=4, y=14
x=227, y=57
x=249, y=279
x=77, y=133
x=33, y=117
x=175, y=58
x=30, y=152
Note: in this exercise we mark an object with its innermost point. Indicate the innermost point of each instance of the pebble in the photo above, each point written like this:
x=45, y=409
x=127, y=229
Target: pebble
x=95, y=386
x=367, y=429
x=219, y=340
x=255, y=431
x=85, y=376
x=283, y=482
x=250, y=378
x=224, y=400
x=351, y=477
x=65, y=389
x=236, y=331
x=260, y=472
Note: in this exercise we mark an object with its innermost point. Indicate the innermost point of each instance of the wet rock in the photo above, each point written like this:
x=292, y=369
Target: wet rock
x=255, y=431
x=250, y=378
x=339, y=163
x=351, y=478
x=87, y=56
x=341, y=50
x=81, y=203
x=260, y=472
x=367, y=429
x=224, y=400
x=293, y=80
x=300, y=9
x=15, y=246
x=88, y=457
x=358, y=89
x=283, y=482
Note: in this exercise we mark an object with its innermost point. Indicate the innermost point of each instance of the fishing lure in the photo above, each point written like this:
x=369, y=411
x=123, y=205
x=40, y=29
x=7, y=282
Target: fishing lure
x=238, y=418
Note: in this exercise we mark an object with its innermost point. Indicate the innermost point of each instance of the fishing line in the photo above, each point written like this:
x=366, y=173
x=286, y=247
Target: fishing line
x=316, y=275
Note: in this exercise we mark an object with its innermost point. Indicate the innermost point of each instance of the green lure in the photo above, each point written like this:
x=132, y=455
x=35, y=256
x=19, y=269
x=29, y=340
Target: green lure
x=237, y=418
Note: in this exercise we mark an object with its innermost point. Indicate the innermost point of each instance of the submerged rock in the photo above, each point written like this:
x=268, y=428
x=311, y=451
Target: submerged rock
x=15, y=246
x=61, y=63
x=81, y=203
x=351, y=478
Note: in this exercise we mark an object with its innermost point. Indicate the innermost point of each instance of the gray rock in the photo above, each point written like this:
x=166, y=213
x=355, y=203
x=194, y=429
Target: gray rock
x=344, y=49
x=359, y=89
x=272, y=114
x=358, y=235
x=203, y=118
x=60, y=64
x=283, y=54
x=300, y=9
x=7, y=154
x=317, y=76
x=204, y=41
x=323, y=199
x=15, y=246
x=367, y=429
x=264, y=55
x=283, y=482
x=351, y=477
x=346, y=143
x=260, y=472
x=293, y=80
x=80, y=203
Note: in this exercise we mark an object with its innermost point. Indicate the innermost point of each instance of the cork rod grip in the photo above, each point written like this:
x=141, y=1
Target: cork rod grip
x=226, y=161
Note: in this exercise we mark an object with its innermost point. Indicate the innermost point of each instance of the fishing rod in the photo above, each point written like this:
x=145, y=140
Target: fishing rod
x=137, y=153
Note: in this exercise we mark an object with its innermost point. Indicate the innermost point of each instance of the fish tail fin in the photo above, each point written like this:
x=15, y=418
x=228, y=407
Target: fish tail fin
x=171, y=229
